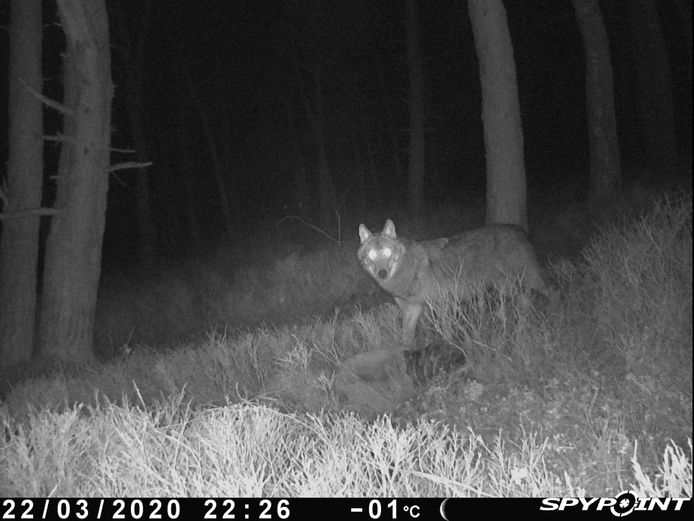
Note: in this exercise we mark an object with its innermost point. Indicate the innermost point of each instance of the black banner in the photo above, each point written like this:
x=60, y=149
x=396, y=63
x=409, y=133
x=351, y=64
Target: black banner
x=357, y=509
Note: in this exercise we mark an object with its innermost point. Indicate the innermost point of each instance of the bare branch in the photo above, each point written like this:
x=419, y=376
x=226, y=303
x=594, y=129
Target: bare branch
x=25, y=213
x=62, y=138
x=123, y=150
x=45, y=100
x=313, y=226
x=129, y=164
x=59, y=138
x=20, y=213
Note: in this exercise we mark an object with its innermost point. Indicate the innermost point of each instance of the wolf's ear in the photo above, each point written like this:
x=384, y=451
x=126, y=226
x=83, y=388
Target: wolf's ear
x=364, y=233
x=389, y=230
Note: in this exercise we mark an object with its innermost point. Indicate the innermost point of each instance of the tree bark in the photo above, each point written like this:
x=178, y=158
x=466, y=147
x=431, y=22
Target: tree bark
x=415, y=168
x=392, y=128
x=654, y=85
x=605, y=166
x=132, y=51
x=230, y=224
x=503, y=133
x=376, y=189
x=684, y=16
x=359, y=204
x=181, y=68
x=300, y=189
x=186, y=167
x=73, y=249
x=326, y=189
x=20, y=233
x=311, y=210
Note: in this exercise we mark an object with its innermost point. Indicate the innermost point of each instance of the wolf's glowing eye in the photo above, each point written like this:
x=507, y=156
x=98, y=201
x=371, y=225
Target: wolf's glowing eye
x=372, y=254
x=387, y=253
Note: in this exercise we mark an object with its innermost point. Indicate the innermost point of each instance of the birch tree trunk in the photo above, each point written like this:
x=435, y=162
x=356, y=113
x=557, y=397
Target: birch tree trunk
x=132, y=47
x=654, y=85
x=73, y=250
x=20, y=232
x=605, y=166
x=326, y=189
x=416, y=165
x=503, y=133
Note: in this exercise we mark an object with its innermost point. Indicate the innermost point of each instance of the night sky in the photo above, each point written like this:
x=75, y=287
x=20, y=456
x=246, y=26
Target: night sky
x=251, y=64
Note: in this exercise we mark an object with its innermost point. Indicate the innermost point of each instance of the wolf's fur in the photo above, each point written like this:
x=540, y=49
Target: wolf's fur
x=423, y=365
x=417, y=272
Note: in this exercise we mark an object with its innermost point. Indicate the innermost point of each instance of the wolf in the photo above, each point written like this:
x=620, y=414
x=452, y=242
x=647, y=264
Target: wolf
x=417, y=272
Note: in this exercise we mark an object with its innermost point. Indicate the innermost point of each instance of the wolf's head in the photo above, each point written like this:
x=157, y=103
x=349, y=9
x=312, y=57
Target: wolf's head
x=381, y=253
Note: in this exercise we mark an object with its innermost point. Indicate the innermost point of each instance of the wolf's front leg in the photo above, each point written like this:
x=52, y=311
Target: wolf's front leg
x=410, y=316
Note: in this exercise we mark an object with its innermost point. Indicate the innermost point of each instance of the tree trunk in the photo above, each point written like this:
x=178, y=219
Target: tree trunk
x=684, y=16
x=300, y=189
x=229, y=221
x=503, y=133
x=73, y=250
x=311, y=210
x=605, y=167
x=183, y=72
x=20, y=233
x=391, y=129
x=654, y=85
x=359, y=204
x=186, y=167
x=132, y=51
x=326, y=189
x=378, y=198
x=146, y=231
x=415, y=168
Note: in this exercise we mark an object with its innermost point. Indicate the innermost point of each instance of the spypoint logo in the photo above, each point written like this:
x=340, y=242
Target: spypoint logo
x=621, y=505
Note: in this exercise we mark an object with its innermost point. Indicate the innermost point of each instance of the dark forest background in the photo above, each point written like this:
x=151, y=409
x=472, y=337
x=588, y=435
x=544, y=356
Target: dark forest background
x=246, y=69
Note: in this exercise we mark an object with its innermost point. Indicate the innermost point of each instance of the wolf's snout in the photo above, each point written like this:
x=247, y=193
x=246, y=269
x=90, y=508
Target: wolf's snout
x=382, y=273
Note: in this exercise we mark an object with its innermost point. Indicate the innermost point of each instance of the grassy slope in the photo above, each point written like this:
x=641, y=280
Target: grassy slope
x=585, y=400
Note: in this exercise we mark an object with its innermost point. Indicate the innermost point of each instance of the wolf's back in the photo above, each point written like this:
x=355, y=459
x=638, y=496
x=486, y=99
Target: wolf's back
x=486, y=254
